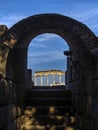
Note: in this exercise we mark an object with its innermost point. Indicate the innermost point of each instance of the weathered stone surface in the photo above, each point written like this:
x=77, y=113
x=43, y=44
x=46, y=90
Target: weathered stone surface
x=3, y=59
x=7, y=114
x=86, y=123
x=80, y=39
x=3, y=29
x=12, y=126
x=7, y=92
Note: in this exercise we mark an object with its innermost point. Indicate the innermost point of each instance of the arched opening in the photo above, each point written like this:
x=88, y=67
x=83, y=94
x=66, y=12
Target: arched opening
x=82, y=42
x=76, y=34
x=79, y=38
x=46, y=57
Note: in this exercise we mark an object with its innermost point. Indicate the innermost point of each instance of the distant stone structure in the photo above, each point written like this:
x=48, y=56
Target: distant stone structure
x=47, y=73
x=82, y=67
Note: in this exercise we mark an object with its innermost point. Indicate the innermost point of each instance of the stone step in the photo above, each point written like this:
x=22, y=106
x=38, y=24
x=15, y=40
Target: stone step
x=49, y=87
x=48, y=106
x=60, y=111
x=51, y=110
x=48, y=93
x=48, y=102
x=50, y=120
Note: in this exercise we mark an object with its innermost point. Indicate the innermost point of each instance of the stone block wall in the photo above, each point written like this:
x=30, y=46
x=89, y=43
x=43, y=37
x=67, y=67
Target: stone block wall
x=81, y=79
x=10, y=108
x=80, y=75
x=95, y=95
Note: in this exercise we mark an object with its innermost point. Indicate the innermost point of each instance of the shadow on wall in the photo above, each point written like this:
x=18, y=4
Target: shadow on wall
x=52, y=121
x=9, y=108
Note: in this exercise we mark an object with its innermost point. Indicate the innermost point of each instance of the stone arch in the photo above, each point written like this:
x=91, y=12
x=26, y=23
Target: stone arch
x=68, y=28
x=78, y=36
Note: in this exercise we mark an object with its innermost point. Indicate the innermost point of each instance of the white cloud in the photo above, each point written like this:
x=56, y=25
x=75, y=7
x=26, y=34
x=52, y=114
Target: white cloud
x=10, y=20
x=37, y=44
x=40, y=41
x=45, y=37
x=83, y=15
x=42, y=57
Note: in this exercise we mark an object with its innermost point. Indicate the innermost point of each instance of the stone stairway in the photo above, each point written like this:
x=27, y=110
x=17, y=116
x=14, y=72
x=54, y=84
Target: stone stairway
x=48, y=108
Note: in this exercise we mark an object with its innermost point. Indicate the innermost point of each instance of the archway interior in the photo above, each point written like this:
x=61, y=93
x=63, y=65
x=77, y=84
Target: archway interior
x=77, y=36
x=45, y=55
x=70, y=30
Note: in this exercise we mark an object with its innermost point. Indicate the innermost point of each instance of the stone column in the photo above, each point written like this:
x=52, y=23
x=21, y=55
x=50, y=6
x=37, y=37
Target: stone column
x=53, y=79
x=60, y=79
x=41, y=80
x=47, y=80
x=35, y=79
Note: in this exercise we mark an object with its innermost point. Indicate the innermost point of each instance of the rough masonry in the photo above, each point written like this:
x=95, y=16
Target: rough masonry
x=82, y=66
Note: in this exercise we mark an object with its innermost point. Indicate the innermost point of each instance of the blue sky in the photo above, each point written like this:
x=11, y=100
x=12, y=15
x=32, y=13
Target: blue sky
x=46, y=51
